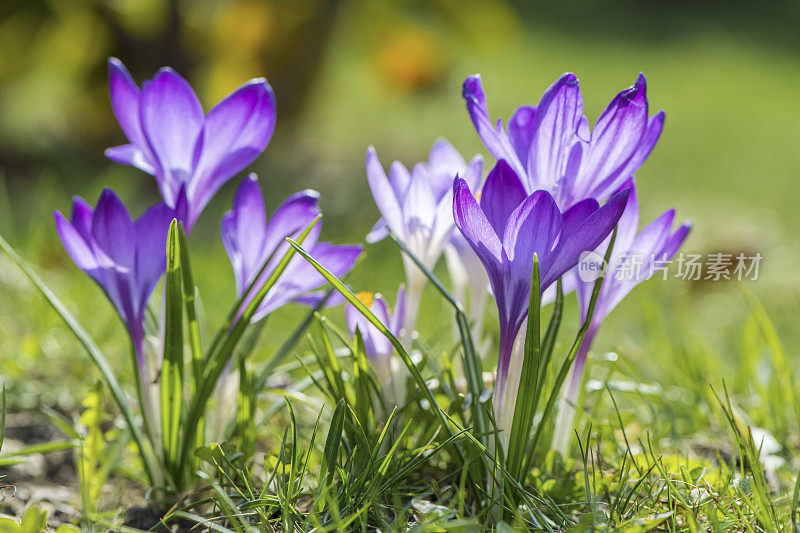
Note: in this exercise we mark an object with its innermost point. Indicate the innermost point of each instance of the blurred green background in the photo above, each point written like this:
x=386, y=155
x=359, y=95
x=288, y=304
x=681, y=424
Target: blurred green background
x=348, y=74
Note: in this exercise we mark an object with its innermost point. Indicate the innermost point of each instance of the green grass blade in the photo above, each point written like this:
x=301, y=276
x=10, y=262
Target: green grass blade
x=290, y=343
x=94, y=353
x=246, y=411
x=547, y=412
x=172, y=365
x=549, y=339
x=332, y=444
x=364, y=310
x=472, y=364
x=190, y=304
x=526, y=403
x=220, y=352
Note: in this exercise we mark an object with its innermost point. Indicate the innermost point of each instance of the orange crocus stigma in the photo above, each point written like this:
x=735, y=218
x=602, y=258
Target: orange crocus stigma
x=366, y=298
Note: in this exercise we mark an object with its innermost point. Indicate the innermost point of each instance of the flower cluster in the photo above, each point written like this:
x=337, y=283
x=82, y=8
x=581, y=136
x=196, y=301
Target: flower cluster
x=192, y=154
x=557, y=192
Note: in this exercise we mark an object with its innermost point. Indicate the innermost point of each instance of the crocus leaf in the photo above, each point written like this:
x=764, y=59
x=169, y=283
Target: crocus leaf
x=565, y=367
x=433, y=405
x=332, y=443
x=223, y=347
x=525, y=403
x=189, y=301
x=172, y=366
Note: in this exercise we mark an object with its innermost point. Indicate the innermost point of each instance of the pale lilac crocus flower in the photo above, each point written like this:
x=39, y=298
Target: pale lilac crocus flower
x=417, y=207
x=126, y=258
x=551, y=147
x=185, y=149
x=377, y=346
x=506, y=228
x=251, y=240
x=637, y=256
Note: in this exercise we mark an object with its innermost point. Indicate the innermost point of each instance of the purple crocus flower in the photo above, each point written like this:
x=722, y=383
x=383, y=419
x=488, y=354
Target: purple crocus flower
x=550, y=146
x=636, y=257
x=185, y=149
x=416, y=206
x=251, y=240
x=377, y=347
x=125, y=257
x=507, y=227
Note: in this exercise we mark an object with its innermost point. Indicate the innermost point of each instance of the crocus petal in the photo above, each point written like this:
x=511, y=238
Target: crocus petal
x=356, y=321
x=521, y=130
x=399, y=179
x=152, y=228
x=575, y=215
x=398, y=318
x=381, y=310
x=383, y=193
x=171, y=118
x=301, y=277
x=629, y=221
x=378, y=232
x=501, y=195
x=652, y=238
x=648, y=142
x=586, y=237
x=555, y=126
x=442, y=225
x=494, y=138
x=235, y=132
x=81, y=218
x=381, y=344
x=130, y=154
x=617, y=135
x=113, y=230
x=533, y=227
x=444, y=162
x=473, y=224
x=473, y=174
x=229, y=241
x=124, y=95
x=75, y=245
x=676, y=240
x=419, y=211
x=248, y=218
x=294, y=215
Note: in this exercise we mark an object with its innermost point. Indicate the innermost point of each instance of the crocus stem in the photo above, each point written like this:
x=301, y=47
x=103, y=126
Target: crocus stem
x=145, y=401
x=507, y=343
x=570, y=396
x=415, y=280
x=511, y=390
